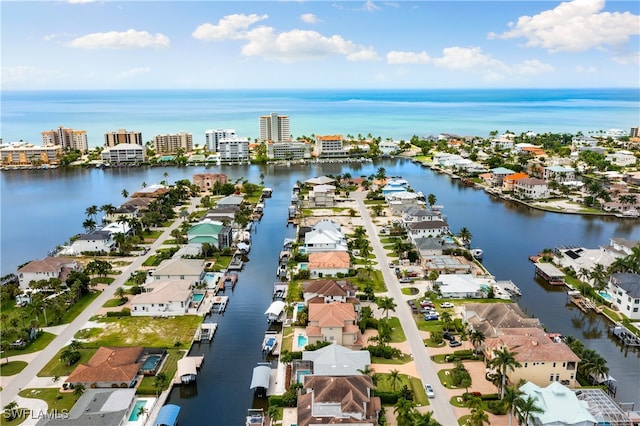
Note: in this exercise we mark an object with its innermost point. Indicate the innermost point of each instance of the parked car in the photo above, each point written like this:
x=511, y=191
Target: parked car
x=427, y=309
x=431, y=317
x=405, y=280
x=411, y=302
x=455, y=343
x=448, y=336
x=425, y=303
x=429, y=391
x=391, y=265
x=447, y=305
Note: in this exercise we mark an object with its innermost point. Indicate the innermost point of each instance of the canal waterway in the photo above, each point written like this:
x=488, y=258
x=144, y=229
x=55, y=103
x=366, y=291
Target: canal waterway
x=41, y=209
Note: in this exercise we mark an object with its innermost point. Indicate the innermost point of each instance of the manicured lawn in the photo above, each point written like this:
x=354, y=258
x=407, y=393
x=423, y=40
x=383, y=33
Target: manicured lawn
x=87, y=333
x=55, y=367
x=375, y=277
x=78, y=307
x=56, y=401
x=169, y=369
x=221, y=263
x=12, y=368
x=398, y=361
x=113, y=303
x=102, y=280
x=151, y=261
x=23, y=414
x=287, y=339
x=146, y=331
x=385, y=384
x=429, y=343
x=39, y=344
x=397, y=333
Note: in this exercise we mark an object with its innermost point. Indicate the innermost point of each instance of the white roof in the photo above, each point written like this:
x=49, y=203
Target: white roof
x=261, y=376
x=188, y=365
x=560, y=405
x=276, y=308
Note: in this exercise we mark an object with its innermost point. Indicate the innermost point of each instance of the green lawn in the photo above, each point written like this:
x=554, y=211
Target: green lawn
x=113, y=303
x=55, y=367
x=78, y=307
x=375, y=278
x=87, y=333
x=385, y=384
x=12, y=368
x=23, y=415
x=150, y=261
x=397, y=333
x=39, y=344
x=169, y=369
x=221, y=263
x=55, y=400
x=102, y=280
x=397, y=361
x=147, y=331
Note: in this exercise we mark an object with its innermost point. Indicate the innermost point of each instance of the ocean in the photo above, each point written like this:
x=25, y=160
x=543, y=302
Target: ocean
x=395, y=114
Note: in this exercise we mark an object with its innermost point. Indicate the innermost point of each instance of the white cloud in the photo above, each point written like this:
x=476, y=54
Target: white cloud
x=130, y=39
x=466, y=58
x=399, y=57
x=229, y=27
x=309, y=18
x=298, y=45
x=531, y=67
x=586, y=69
x=627, y=58
x=574, y=26
x=370, y=6
x=133, y=72
x=26, y=74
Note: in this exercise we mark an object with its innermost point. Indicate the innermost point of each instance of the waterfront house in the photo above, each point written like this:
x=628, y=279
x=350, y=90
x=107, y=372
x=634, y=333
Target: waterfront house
x=427, y=228
x=388, y=147
x=222, y=214
x=45, y=269
x=559, y=405
x=98, y=407
x=327, y=291
x=490, y=317
x=330, y=146
x=622, y=246
x=336, y=360
x=394, y=186
x=498, y=174
x=155, y=190
x=207, y=231
x=326, y=235
x=231, y=201
x=334, y=322
x=431, y=247
x=445, y=264
x=559, y=174
x=531, y=189
x=462, y=286
x=337, y=399
x=542, y=359
x=124, y=153
x=109, y=367
x=95, y=242
x=321, y=180
x=322, y=196
x=180, y=269
x=624, y=289
x=400, y=201
x=164, y=299
x=207, y=181
x=578, y=258
x=419, y=214
x=509, y=181
x=27, y=154
x=328, y=263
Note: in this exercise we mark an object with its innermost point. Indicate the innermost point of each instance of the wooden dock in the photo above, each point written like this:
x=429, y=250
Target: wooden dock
x=205, y=332
x=219, y=304
x=625, y=335
x=584, y=304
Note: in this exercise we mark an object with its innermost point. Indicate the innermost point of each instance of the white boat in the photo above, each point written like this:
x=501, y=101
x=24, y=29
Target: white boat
x=275, y=313
x=269, y=344
x=255, y=417
x=477, y=253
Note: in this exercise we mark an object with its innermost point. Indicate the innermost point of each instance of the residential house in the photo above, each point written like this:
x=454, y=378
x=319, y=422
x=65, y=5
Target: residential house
x=578, y=258
x=582, y=140
x=502, y=142
x=328, y=291
x=624, y=289
x=622, y=158
x=155, y=190
x=400, y=201
x=509, y=181
x=124, y=153
x=388, y=147
x=330, y=146
x=542, y=360
x=394, y=186
x=337, y=399
x=321, y=180
x=207, y=181
x=322, y=196
x=109, y=367
x=336, y=360
x=462, y=286
x=445, y=264
x=208, y=231
x=432, y=246
x=605, y=409
x=559, y=406
x=45, y=269
x=222, y=214
x=234, y=201
x=325, y=236
x=490, y=317
x=622, y=246
x=328, y=263
x=498, y=174
x=531, y=189
x=334, y=322
x=163, y=298
x=180, y=269
x=427, y=228
x=559, y=173
x=96, y=242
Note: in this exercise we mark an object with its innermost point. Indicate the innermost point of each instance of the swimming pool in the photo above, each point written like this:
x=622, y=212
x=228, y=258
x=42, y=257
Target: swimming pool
x=300, y=307
x=303, y=266
x=301, y=373
x=198, y=297
x=302, y=341
x=605, y=295
x=151, y=363
x=135, y=413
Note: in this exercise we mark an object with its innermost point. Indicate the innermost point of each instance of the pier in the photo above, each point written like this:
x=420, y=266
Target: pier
x=219, y=304
x=625, y=335
x=550, y=273
x=205, y=332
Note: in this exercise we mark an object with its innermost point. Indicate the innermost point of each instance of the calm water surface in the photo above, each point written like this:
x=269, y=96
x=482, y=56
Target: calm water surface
x=41, y=209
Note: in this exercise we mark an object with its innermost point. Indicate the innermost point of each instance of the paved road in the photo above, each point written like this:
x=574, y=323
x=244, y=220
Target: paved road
x=442, y=410
x=21, y=381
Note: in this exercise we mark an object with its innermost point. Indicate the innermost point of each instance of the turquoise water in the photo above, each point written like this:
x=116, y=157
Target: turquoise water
x=303, y=266
x=301, y=373
x=300, y=307
x=605, y=295
x=302, y=340
x=151, y=363
x=135, y=415
x=397, y=114
x=198, y=297
x=208, y=277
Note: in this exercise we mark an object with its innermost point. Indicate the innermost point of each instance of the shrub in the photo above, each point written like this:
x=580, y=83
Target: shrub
x=498, y=407
x=276, y=401
x=388, y=398
x=490, y=397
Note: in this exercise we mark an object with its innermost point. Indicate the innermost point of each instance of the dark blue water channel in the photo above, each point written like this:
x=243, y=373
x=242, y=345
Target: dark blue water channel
x=41, y=209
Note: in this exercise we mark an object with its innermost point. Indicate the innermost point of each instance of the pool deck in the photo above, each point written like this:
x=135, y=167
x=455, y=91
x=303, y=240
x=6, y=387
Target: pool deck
x=150, y=403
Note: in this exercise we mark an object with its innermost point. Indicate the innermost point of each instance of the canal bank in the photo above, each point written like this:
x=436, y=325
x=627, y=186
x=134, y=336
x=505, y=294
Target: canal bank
x=507, y=232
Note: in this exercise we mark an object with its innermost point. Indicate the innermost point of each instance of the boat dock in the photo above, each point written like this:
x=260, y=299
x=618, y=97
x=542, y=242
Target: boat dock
x=270, y=343
x=236, y=263
x=550, y=273
x=280, y=291
x=625, y=335
x=509, y=287
x=230, y=278
x=219, y=304
x=205, y=332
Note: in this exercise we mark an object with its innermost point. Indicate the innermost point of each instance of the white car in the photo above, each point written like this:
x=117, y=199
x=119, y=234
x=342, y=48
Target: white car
x=429, y=390
x=447, y=305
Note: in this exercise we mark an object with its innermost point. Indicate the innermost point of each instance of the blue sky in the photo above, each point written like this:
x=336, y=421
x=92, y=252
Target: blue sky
x=85, y=44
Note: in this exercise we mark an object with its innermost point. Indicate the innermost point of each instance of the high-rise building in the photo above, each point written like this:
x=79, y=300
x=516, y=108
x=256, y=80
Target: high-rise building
x=288, y=151
x=634, y=132
x=122, y=136
x=123, y=153
x=68, y=139
x=213, y=136
x=23, y=153
x=274, y=128
x=170, y=143
x=234, y=149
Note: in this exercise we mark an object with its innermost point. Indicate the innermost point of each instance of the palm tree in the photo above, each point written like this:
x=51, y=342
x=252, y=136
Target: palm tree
x=504, y=361
x=512, y=398
x=404, y=409
x=78, y=390
x=445, y=317
x=525, y=408
x=121, y=294
x=159, y=381
x=465, y=236
x=599, y=276
x=386, y=304
x=274, y=414
x=91, y=211
x=478, y=417
x=394, y=377
x=125, y=193
x=477, y=338
x=89, y=225
x=431, y=199
x=426, y=419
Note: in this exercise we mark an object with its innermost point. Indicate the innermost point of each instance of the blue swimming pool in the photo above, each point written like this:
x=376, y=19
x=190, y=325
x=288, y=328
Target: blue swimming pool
x=303, y=266
x=301, y=373
x=198, y=297
x=605, y=295
x=302, y=341
x=135, y=413
x=300, y=307
x=151, y=363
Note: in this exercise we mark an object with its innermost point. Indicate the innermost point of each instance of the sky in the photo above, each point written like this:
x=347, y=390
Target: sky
x=86, y=44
